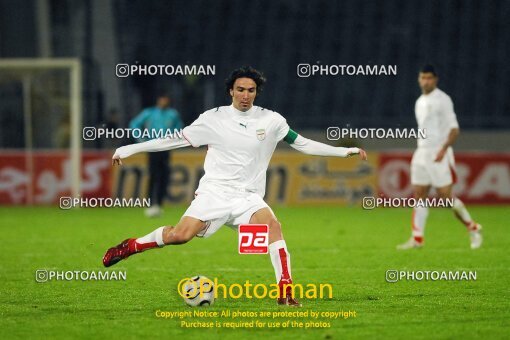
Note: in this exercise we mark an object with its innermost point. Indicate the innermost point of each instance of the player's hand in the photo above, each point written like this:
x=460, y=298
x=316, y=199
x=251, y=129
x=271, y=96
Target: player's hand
x=440, y=155
x=116, y=160
x=361, y=153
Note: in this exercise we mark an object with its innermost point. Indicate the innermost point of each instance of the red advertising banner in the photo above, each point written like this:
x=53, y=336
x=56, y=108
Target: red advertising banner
x=482, y=178
x=51, y=176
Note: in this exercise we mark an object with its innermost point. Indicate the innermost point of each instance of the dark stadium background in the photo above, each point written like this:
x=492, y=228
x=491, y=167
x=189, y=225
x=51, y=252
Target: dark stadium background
x=466, y=40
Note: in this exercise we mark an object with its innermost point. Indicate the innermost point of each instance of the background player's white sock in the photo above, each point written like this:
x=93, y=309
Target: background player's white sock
x=463, y=215
x=151, y=240
x=280, y=258
x=420, y=215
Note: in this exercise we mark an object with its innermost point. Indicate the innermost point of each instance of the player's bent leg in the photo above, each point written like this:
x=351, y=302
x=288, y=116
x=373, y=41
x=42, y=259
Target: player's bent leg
x=187, y=228
x=266, y=216
x=418, y=220
x=280, y=256
x=132, y=246
x=460, y=211
x=184, y=231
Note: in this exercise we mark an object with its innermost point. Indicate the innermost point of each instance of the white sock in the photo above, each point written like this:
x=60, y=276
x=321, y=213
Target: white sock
x=280, y=257
x=420, y=215
x=463, y=215
x=152, y=239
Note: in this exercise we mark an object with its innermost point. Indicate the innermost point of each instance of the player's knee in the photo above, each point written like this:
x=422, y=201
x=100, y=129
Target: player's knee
x=274, y=224
x=444, y=195
x=421, y=191
x=181, y=236
x=275, y=228
x=420, y=194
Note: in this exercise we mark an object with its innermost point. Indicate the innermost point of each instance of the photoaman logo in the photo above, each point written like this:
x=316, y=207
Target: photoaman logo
x=253, y=239
x=253, y=291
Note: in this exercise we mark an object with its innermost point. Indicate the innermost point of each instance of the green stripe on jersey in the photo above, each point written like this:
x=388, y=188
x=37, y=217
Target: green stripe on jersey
x=291, y=136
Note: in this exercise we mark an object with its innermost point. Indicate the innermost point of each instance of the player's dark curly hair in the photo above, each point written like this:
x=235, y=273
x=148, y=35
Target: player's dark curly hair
x=245, y=72
x=429, y=68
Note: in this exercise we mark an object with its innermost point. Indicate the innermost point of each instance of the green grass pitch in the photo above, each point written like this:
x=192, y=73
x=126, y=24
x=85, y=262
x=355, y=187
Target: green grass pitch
x=347, y=247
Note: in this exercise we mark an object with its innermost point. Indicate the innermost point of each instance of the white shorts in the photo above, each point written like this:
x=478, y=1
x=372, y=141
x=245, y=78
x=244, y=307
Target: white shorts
x=424, y=171
x=217, y=207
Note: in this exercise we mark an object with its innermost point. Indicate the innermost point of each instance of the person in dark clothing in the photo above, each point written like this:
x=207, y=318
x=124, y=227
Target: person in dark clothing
x=156, y=122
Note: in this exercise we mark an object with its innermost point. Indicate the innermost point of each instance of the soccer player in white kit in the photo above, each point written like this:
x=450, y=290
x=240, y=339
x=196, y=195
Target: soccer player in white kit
x=433, y=164
x=240, y=139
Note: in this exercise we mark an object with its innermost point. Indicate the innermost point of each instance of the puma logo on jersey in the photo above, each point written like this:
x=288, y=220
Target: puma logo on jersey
x=243, y=125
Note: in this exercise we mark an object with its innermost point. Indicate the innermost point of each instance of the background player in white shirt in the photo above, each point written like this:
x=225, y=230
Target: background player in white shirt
x=433, y=164
x=241, y=139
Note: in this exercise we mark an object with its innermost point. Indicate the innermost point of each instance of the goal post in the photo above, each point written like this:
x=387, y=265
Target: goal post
x=24, y=69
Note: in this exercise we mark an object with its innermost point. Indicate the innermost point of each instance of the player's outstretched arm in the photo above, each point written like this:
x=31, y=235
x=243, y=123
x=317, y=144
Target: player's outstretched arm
x=155, y=145
x=311, y=147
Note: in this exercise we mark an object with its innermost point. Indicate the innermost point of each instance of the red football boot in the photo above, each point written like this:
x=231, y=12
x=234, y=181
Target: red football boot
x=288, y=300
x=120, y=252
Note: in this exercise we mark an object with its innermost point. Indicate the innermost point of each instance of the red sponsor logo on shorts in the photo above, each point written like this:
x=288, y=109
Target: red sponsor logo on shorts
x=253, y=238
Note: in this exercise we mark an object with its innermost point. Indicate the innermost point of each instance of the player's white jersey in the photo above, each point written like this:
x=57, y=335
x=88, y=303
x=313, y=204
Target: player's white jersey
x=240, y=145
x=434, y=113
